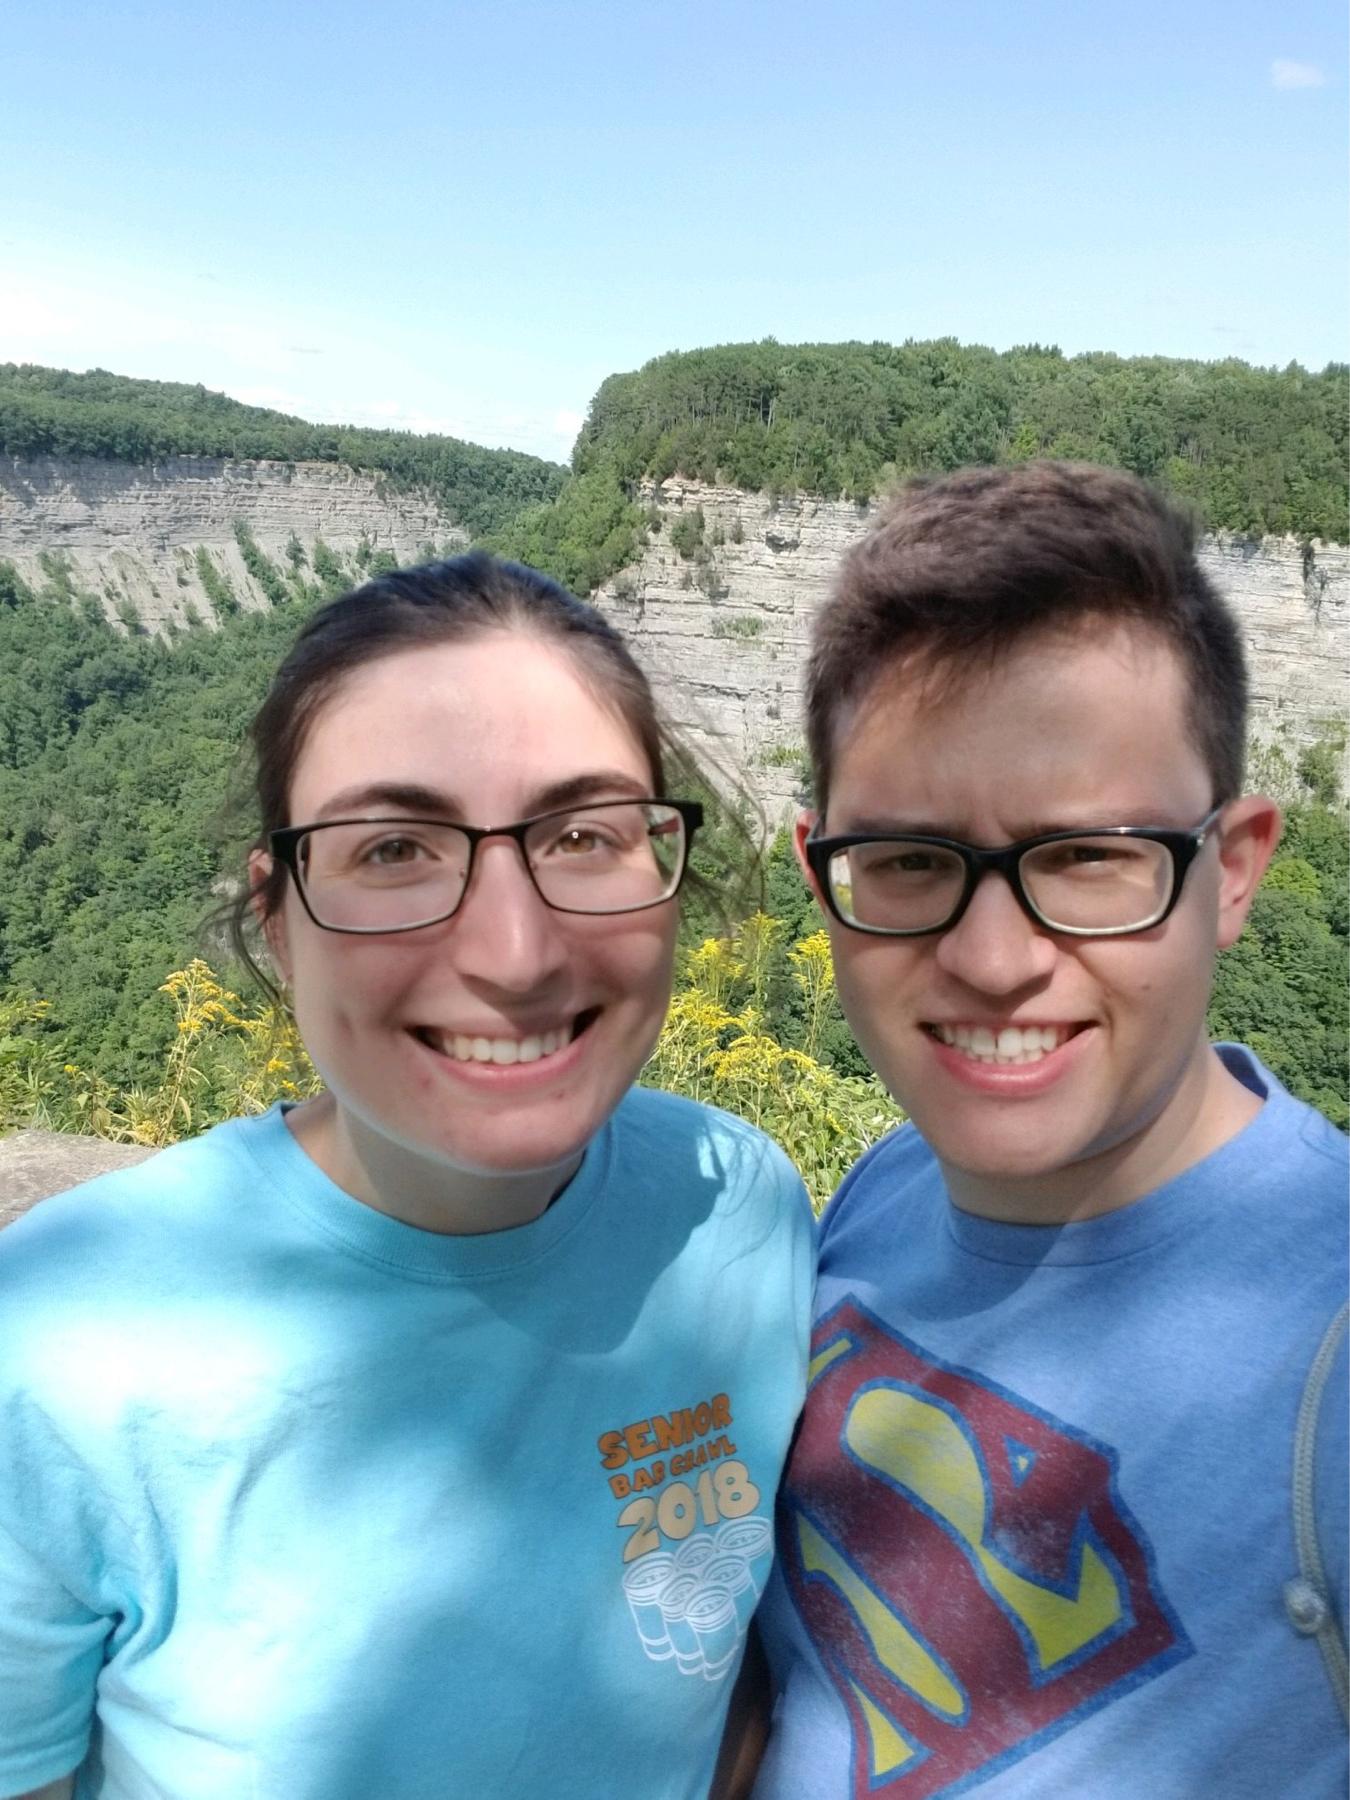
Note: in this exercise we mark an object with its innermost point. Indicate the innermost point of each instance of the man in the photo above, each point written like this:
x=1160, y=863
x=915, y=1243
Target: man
x=1038, y=1535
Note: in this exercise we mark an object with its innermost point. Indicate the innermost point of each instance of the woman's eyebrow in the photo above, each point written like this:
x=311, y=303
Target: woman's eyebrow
x=412, y=797
x=595, y=784
x=404, y=796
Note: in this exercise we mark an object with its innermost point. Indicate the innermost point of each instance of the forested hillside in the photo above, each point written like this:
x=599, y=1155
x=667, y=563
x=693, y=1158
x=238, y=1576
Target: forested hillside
x=1260, y=450
x=1255, y=450
x=55, y=412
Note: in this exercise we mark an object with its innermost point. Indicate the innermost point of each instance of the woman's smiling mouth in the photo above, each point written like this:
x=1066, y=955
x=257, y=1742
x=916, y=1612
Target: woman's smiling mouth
x=504, y=1052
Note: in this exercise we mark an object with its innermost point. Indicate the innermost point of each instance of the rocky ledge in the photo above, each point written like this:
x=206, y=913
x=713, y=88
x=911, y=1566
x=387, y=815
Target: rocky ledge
x=34, y=1164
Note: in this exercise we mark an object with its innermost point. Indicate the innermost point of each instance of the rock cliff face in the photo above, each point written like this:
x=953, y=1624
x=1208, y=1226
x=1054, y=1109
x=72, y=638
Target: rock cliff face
x=129, y=534
x=721, y=617
x=724, y=630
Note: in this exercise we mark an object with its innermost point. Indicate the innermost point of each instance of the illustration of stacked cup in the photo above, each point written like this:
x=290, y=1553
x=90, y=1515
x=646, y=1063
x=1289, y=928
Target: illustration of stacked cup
x=695, y=1606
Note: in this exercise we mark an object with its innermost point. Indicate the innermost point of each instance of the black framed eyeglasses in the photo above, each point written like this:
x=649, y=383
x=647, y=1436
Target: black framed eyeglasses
x=1106, y=882
x=399, y=874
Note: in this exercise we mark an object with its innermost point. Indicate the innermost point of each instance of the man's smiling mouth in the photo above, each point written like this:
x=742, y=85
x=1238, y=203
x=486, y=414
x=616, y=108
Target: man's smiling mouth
x=1006, y=1045
x=466, y=1047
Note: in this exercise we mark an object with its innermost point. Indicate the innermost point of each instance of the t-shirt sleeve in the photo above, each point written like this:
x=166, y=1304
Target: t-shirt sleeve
x=51, y=1650
x=857, y=1181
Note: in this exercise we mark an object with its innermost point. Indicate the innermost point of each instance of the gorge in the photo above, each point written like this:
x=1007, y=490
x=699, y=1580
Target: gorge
x=717, y=605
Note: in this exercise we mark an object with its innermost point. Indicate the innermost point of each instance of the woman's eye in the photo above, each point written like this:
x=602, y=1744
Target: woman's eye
x=390, y=852
x=580, y=840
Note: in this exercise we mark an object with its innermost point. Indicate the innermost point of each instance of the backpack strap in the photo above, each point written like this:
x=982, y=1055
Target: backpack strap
x=1306, y=1598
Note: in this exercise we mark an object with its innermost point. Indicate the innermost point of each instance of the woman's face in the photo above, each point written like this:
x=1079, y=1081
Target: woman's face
x=485, y=732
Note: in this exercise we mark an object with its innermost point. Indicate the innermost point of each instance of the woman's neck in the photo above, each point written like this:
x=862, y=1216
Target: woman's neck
x=413, y=1187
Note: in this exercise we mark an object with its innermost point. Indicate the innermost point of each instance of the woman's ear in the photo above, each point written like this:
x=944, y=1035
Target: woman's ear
x=272, y=925
x=1249, y=832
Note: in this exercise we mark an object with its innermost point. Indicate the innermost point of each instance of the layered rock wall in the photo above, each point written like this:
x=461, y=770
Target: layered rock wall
x=721, y=617
x=724, y=630
x=129, y=533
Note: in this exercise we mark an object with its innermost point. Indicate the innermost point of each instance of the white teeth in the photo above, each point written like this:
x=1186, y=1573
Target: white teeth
x=501, y=1051
x=1012, y=1044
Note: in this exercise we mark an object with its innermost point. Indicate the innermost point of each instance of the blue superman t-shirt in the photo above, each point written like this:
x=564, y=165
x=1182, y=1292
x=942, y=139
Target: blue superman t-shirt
x=1037, y=1525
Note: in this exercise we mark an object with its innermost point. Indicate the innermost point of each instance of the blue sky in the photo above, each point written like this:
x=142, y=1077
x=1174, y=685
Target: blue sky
x=463, y=217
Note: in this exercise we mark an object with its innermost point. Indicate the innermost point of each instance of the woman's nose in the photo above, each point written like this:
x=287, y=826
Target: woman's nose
x=503, y=931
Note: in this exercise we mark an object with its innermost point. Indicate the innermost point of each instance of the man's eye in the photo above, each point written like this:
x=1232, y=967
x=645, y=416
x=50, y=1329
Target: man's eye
x=1067, y=858
x=901, y=862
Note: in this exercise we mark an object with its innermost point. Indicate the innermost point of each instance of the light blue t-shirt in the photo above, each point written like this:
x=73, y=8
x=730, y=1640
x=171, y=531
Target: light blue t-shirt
x=312, y=1505
x=1037, y=1524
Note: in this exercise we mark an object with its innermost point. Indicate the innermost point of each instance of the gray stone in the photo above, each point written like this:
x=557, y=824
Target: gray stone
x=131, y=531
x=34, y=1164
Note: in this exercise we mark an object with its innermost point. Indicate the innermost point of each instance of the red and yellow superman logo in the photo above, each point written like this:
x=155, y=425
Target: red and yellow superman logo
x=963, y=1561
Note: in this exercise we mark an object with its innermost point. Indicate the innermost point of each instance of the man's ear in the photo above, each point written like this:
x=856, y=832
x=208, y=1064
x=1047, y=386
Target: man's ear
x=806, y=824
x=1249, y=832
x=271, y=925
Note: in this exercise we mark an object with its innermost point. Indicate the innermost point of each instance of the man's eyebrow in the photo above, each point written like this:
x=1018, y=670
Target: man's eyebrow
x=1102, y=819
x=433, y=803
x=877, y=825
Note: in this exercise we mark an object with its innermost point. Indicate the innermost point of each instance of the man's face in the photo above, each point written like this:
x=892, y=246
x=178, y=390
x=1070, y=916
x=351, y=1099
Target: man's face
x=1067, y=732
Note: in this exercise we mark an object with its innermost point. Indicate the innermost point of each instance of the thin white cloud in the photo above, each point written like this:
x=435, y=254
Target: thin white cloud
x=278, y=399
x=1286, y=74
x=393, y=415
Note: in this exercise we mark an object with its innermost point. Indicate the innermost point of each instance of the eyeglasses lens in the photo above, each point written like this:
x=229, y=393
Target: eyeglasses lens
x=1098, y=883
x=607, y=859
x=383, y=876
x=897, y=886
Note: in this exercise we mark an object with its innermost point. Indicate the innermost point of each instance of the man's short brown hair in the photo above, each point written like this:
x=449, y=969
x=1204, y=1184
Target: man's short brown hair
x=958, y=569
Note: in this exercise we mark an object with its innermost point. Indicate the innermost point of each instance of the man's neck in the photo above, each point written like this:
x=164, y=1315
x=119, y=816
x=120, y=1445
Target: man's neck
x=1202, y=1111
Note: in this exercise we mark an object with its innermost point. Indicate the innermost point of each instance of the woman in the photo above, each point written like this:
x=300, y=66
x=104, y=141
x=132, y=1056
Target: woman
x=419, y=1440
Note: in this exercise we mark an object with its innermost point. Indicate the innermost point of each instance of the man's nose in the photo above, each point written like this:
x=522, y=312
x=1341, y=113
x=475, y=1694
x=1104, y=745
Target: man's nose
x=996, y=947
